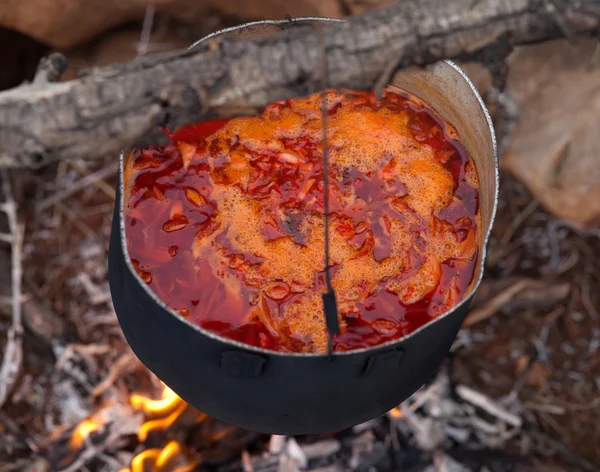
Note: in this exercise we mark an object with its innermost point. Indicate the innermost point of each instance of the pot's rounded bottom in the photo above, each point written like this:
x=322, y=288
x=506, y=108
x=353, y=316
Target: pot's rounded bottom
x=272, y=393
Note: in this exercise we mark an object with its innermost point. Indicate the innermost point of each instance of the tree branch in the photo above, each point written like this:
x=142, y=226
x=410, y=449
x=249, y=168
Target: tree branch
x=116, y=107
x=13, y=351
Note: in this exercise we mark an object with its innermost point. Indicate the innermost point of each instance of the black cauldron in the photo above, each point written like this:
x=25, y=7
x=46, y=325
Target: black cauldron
x=293, y=393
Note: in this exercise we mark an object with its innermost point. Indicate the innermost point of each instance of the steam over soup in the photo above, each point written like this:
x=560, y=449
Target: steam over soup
x=226, y=224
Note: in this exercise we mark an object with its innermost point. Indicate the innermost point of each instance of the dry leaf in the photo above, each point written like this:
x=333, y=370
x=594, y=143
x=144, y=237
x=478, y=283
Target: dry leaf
x=554, y=147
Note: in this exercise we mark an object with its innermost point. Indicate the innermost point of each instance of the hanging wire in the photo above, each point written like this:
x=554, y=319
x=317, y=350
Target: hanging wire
x=329, y=299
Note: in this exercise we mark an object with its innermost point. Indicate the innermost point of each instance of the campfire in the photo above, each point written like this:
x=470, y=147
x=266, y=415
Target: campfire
x=163, y=433
x=164, y=421
x=160, y=419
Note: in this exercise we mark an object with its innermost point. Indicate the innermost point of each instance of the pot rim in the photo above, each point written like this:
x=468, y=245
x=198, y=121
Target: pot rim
x=390, y=344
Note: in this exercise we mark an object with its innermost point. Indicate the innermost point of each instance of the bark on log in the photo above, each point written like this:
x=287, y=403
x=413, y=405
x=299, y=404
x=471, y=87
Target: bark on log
x=116, y=107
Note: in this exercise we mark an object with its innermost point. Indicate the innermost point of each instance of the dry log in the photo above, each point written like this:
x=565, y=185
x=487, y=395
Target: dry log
x=123, y=105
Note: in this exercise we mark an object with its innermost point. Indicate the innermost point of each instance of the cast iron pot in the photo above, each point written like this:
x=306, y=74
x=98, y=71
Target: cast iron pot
x=292, y=393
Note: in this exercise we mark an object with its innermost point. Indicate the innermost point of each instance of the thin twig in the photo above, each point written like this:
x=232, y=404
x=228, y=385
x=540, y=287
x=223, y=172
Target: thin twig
x=554, y=315
x=75, y=219
x=146, y=30
x=421, y=397
x=522, y=378
x=545, y=408
x=564, y=451
x=13, y=353
x=125, y=363
x=487, y=404
x=587, y=301
x=60, y=175
x=554, y=244
x=577, y=406
x=554, y=12
x=88, y=180
x=4, y=300
x=107, y=189
x=516, y=222
x=247, y=461
x=497, y=302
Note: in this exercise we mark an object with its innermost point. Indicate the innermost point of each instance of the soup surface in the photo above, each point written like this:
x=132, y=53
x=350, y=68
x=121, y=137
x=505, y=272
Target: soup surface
x=226, y=223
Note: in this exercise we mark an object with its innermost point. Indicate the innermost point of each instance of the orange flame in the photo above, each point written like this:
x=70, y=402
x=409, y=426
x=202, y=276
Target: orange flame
x=160, y=414
x=172, y=458
x=82, y=431
x=169, y=408
x=168, y=402
x=395, y=413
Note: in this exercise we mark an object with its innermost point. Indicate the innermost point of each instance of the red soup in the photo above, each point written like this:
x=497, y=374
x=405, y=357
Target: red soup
x=226, y=224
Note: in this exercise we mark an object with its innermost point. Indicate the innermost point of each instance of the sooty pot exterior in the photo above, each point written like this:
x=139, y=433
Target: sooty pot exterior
x=269, y=392
x=291, y=393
